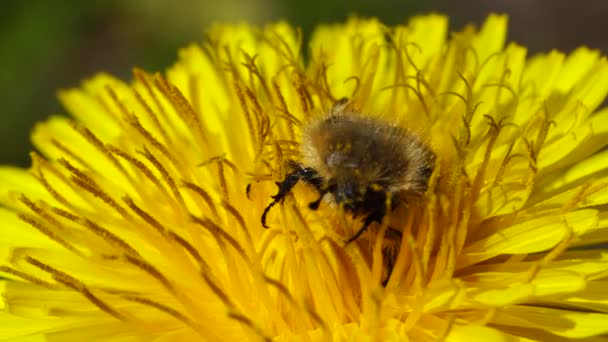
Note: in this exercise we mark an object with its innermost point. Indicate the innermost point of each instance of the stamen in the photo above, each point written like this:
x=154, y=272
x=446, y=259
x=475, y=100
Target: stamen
x=321, y=84
x=223, y=183
x=262, y=119
x=245, y=108
x=145, y=216
x=164, y=308
x=304, y=95
x=117, y=101
x=218, y=233
x=41, y=212
x=221, y=161
x=264, y=133
x=248, y=322
x=182, y=107
x=492, y=134
x=48, y=231
x=416, y=312
x=150, y=270
x=249, y=64
x=258, y=111
x=212, y=160
x=308, y=236
x=583, y=192
x=542, y=132
x=400, y=75
x=486, y=61
x=66, y=214
x=241, y=222
x=195, y=91
x=419, y=275
x=559, y=249
x=503, y=166
x=463, y=226
x=446, y=256
x=532, y=157
x=217, y=290
x=315, y=316
x=140, y=166
x=421, y=80
x=502, y=85
x=193, y=251
x=204, y=195
x=27, y=277
x=420, y=96
x=88, y=184
x=357, y=85
x=166, y=233
x=467, y=102
x=285, y=110
x=230, y=164
x=99, y=145
x=406, y=52
x=288, y=147
x=108, y=236
x=416, y=92
x=38, y=163
x=429, y=240
x=283, y=48
x=282, y=289
x=166, y=176
x=266, y=241
x=402, y=263
x=450, y=324
x=142, y=77
x=71, y=154
x=77, y=285
x=135, y=123
x=323, y=265
x=378, y=257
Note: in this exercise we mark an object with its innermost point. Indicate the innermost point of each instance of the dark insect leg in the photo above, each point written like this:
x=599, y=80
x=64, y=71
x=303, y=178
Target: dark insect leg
x=248, y=190
x=307, y=175
x=314, y=205
x=389, y=262
x=393, y=234
x=377, y=202
x=375, y=216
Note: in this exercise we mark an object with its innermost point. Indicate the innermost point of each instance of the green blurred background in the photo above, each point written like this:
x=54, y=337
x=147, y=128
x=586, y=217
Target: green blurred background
x=47, y=45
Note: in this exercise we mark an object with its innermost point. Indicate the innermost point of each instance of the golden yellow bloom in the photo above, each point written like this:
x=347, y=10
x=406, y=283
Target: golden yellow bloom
x=133, y=223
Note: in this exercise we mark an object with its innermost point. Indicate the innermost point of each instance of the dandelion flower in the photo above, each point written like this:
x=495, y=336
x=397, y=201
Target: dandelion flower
x=133, y=222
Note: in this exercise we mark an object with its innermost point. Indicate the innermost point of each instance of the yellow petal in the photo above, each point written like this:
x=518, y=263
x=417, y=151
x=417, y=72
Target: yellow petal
x=559, y=322
x=14, y=181
x=478, y=333
x=535, y=235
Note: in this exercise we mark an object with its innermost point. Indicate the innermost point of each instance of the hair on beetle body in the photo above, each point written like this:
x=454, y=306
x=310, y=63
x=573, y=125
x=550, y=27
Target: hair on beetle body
x=365, y=165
